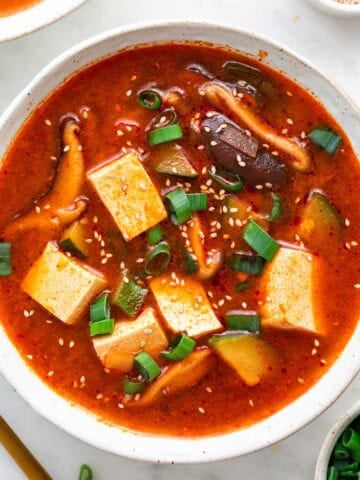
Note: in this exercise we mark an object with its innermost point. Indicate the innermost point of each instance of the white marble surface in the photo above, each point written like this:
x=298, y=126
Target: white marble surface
x=333, y=45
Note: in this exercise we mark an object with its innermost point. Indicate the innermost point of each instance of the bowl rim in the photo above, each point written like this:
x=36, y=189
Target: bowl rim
x=155, y=448
x=332, y=437
x=35, y=17
x=342, y=9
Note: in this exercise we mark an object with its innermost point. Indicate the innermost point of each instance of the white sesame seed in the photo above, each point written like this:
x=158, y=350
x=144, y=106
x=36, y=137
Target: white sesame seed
x=347, y=222
x=301, y=380
x=128, y=93
x=251, y=403
x=201, y=410
x=48, y=122
x=290, y=121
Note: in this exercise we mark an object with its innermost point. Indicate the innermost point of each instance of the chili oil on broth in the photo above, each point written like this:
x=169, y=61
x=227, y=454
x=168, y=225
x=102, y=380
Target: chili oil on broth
x=10, y=7
x=104, y=95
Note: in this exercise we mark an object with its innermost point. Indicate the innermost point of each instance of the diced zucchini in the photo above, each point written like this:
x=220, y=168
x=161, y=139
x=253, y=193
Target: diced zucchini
x=250, y=356
x=73, y=240
x=129, y=296
x=178, y=377
x=320, y=222
x=171, y=159
x=237, y=213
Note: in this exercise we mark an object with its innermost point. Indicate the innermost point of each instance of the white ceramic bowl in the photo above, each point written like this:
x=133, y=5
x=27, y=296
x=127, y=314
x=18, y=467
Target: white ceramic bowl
x=336, y=8
x=85, y=425
x=331, y=439
x=38, y=16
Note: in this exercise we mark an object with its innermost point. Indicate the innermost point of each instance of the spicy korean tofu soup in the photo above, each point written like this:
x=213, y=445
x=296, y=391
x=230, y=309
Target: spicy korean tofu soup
x=179, y=230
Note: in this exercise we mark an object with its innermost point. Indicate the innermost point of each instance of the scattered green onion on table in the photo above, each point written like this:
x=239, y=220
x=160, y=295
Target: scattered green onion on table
x=345, y=457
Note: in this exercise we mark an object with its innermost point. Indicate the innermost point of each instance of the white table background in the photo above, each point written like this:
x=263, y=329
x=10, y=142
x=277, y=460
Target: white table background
x=333, y=45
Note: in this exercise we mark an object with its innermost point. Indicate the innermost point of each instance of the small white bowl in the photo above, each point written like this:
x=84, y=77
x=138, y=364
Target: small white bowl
x=331, y=439
x=336, y=8
x=33, y=18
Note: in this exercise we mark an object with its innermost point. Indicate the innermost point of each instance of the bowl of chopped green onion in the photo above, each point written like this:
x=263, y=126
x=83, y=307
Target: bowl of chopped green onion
x=340, y=454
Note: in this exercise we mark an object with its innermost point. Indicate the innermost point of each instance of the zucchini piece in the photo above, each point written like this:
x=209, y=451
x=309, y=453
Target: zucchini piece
x=73, y=240
x=249, y=355
x=171, y=159
x=236, y=214
x=129, y=296
x=320, y=222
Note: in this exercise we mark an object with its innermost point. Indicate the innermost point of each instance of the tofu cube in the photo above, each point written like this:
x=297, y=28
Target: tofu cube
x=184, y=306
x=129, y=194
x=289, y=282
x=128, y=339
x=61, y=285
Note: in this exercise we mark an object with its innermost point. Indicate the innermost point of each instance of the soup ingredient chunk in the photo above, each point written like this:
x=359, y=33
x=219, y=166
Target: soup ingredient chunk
x=249, y=355
x=184, y=305
x=129, y=194
x=178, y=377
x=220, y=97
x=320, y=222
x=61, y=205
x=231, y=148
x=62, y=285
x=73, y=240
x=288, y=284
x=118, y=350
x=171, y=159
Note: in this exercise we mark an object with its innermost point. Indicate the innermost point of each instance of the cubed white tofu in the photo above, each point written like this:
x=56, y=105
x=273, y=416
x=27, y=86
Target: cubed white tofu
x=184, y=306
x=62, y=285
x=128, y=339
x=288, y=282
x=129, y=194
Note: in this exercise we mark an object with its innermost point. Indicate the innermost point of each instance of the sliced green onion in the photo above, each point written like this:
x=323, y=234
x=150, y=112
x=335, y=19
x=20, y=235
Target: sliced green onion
x=234, y=67
x=165, y=134
x=243, y=320
x=179, y=206
x=179, y=348
x=340, y=452
x=132, y=388
x=241, y=286
x=230, y=182
x=340, y=464
x=147, y=366
x=154, y=235
x=198, y=201
x=5, y=259
x=85, y=473
x=326, y=139
x=351, y=441
x=277, y=208
x=150, y=99
x=158, y=259
x=102, y=327
x=247, y=263
x=332, y=474
x=191, y=264
x=130, y=297
x=100, y=308
x=350, y=467
x=260, y=241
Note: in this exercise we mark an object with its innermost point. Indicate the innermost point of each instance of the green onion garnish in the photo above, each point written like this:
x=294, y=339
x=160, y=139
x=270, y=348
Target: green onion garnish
x=100, y=308
x=179, y=206
x=198, y=201
x=165, y=134
x=260, y=241
x=326, y=139
x=158, y=259
x=340, y=452
x=85, y=473
x=235, y=67
x=191, y=264
x=5, y=259
x=277, y=208
x=247, y=263
x=149, y=99
x=332, y=474
x=102, y=327
x=147, y=366
x=241, y=286
x=154, y=235
x=130, y=297
x=132, y=388
x=230, y=182
x=351, y=441
x=243, y=320
x=179, y=348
